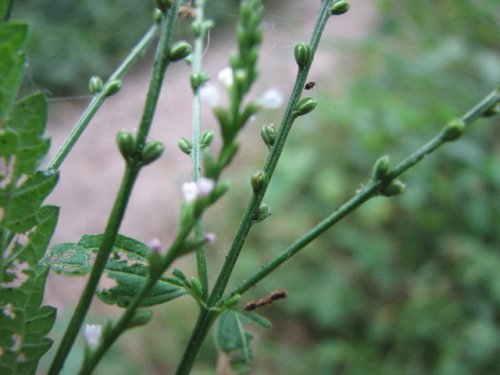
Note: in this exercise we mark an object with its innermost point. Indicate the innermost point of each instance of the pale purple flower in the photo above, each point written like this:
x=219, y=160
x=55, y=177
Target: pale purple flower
x=189, y=191
x=226, y=76
x=155, y=245
x=205, y=186
x=210, y=238
x=201, y=188
x=93, y=334
x=210, y=95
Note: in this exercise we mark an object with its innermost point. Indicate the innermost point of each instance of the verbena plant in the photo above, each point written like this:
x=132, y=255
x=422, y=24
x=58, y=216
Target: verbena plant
x=143, y=274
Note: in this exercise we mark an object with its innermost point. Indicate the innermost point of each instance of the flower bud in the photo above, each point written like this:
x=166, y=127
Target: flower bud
x=179, y=51
x=268, y=134
x=112, y=87
x=304, y=106
x=340, y=7
x=232, y=301
x=126, y=144
x=302, y=53
x=197, y=29
x=157, y=15
x=381, y=168
x=185, y=145
x=259, y=181
x=95, y=85
x=394, y=188
x=206, y=138
x=262, y=213
x=196, y=287
x=152, y=151
x=198, y=79
x=453, y=130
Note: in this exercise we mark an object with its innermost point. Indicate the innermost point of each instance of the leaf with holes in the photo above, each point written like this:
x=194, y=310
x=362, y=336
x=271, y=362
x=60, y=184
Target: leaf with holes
x=127, y=267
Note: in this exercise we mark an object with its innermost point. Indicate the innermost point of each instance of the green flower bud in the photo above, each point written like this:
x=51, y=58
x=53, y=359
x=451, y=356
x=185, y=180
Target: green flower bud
x=196, y=287
x=206, y=138
x=453, y=130
x=262, y=213
x=340, y=7
x=95, y=85
x=185, y=145
x=180, y=275
x=196, y=29
x=259, y=181
x=152, y=151
x=394, y=188
x=240, y=78
x=232, y=301
x=112, y=87
x=157, y=15
x=268, y=134
x=304, y=106
x=179, y=51
x=198, y=79
x=302, y=55
x=381, y=168
x=126, y=144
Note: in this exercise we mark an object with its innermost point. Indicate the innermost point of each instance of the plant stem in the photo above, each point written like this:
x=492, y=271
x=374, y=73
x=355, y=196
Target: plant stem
x=96, y=102
x=207, y=316
x=109, y=237
x=131, y=173
x=199, y=230
x=367, y=193
x=8, y=11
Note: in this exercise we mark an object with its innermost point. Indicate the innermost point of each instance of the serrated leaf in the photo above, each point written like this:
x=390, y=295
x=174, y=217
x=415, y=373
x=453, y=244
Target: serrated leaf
x=127, y=266
x=233, y=341
x=23, y=322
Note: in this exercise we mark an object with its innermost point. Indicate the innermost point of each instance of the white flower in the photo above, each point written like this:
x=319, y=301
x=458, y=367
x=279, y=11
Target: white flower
x=226, y=76
x=93, y=334
x=271, y=99
x=210, y=95
x=210, y=238
x=205, y=186
x=155, y=245
x=189, y=191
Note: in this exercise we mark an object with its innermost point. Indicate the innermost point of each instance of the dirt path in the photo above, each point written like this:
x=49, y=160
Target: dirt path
x=91, y=174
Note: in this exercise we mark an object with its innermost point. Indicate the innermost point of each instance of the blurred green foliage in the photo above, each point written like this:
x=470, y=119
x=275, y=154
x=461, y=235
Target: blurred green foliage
x=408, y=285
x=72, y=40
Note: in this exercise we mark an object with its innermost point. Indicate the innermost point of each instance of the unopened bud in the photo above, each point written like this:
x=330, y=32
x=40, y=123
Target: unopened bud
x=113, y=87
x=198, y=79
x=302, y=53
x=206, y=138
x=232, y=301
x=152, y=151
x=453, y=130
x=196, y=287
x=381, y=168
x=394, y=188
x=126, y=144
x=262, y=213
x=185, y=145
x=304, y=106
x=268, y=134
x=179, y=51
x=95, y=85
x=340, y=7
x=157, y=15
x=259, y=181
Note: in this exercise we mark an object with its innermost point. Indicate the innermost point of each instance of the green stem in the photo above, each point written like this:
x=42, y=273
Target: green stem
x=8, y=10
x=136, y=53
x=109, y=237
x=367, y=193
x=207, y=316
x=199, y=230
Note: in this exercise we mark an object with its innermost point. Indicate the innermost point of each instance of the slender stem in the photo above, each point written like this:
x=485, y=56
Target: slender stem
x=96, y=102
x=8, y=11
x=207, y=316
x=199, y=230
x=367, y=193
x=109, y=237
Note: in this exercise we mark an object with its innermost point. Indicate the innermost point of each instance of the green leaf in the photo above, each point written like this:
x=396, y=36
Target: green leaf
x=233, y=341
x=254, y=318
x=23, y=322
x=12, y=39
x=128, y=266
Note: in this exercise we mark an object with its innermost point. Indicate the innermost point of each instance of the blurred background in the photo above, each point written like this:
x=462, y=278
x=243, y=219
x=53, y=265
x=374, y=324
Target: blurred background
x=409, y=285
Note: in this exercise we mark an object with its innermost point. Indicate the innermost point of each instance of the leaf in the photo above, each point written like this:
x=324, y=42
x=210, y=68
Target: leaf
x=127, y=266
x=23, y=322
x=233, y=341
x=254, y=318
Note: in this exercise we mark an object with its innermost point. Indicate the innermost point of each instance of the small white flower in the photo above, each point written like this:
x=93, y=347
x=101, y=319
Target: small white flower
x=271, y=99
x=189, y=191
x=226, y=76
x=210, y=95
x=155, y=245
x=210, y=238
x=205, y=186
x=93, y=334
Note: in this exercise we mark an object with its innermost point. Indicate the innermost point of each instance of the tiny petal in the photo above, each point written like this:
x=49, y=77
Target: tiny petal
x=210, y=238
x=271, y=99
x=93, y=334
x=155, y=245
x=210, y=95
x=226, y=76
x=205, y=186
x=190, y=191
